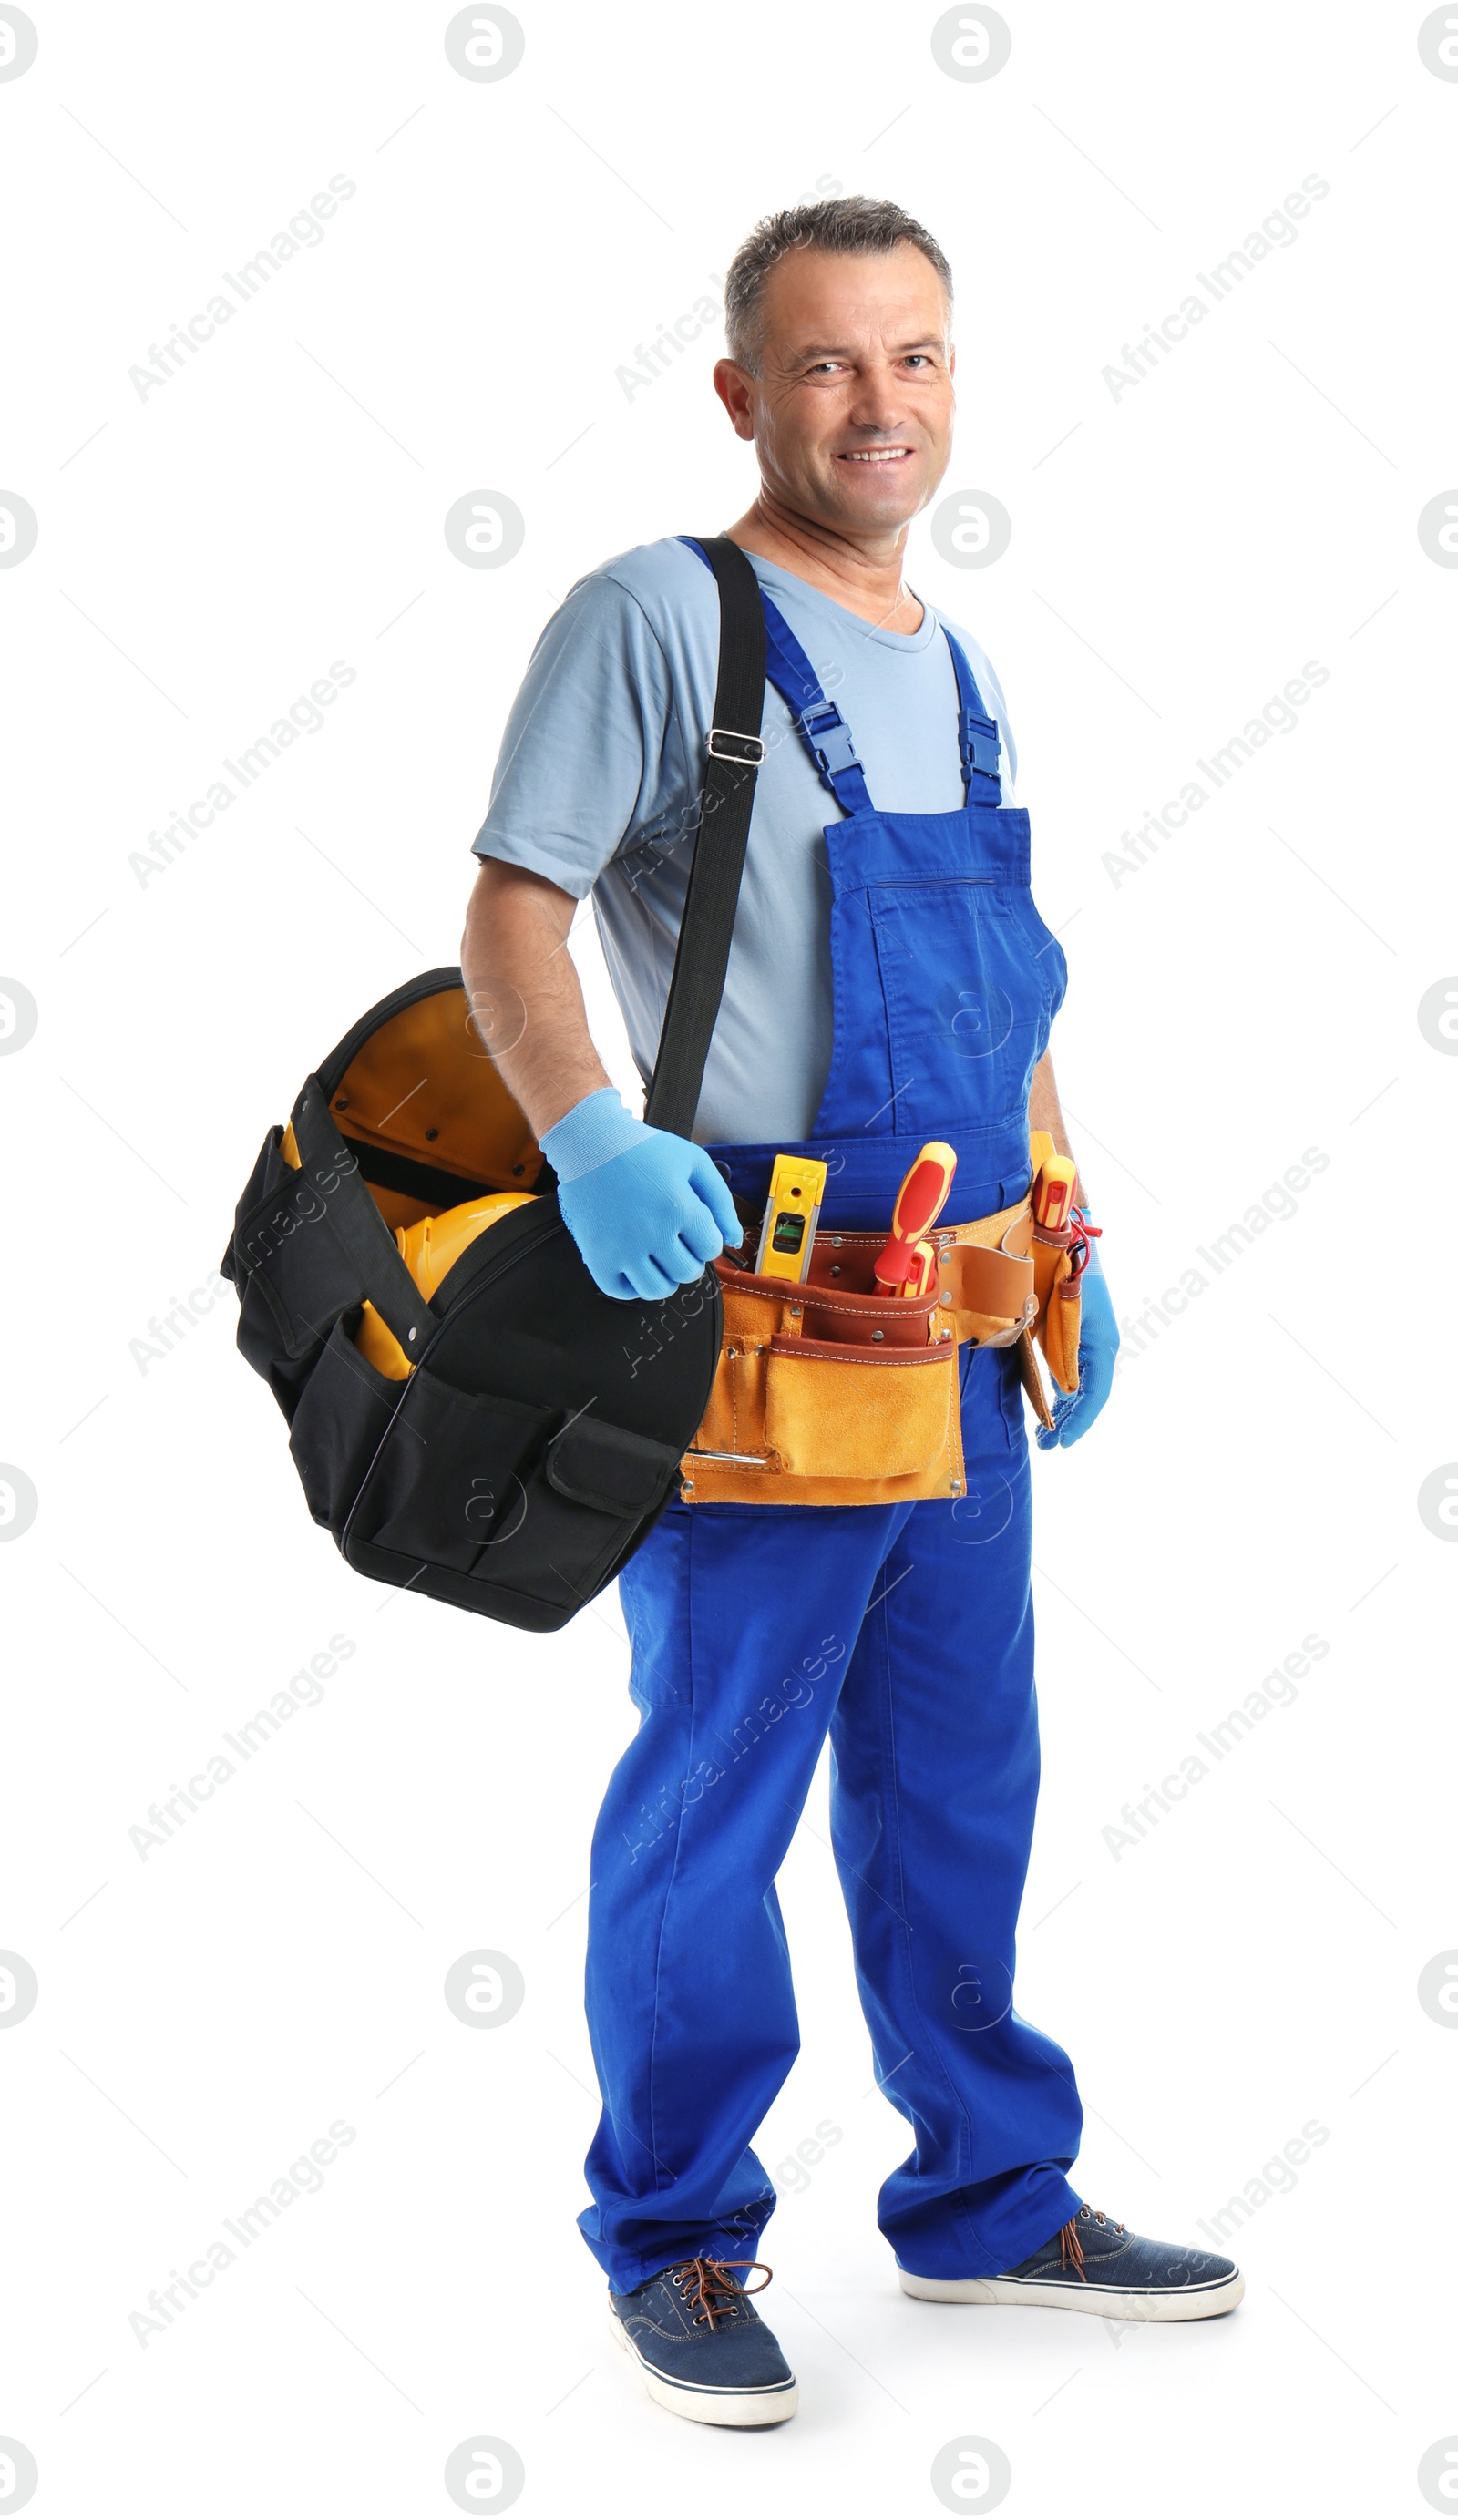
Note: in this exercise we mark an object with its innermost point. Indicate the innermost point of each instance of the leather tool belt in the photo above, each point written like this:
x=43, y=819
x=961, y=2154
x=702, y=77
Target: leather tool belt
x=830, y=1392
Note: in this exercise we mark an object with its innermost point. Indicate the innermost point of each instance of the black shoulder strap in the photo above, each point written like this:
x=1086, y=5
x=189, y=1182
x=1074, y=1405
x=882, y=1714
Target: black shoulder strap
x=736, y=749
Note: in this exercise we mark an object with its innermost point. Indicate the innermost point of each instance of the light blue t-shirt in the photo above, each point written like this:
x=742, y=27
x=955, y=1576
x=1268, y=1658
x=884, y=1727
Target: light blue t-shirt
x=597, y=784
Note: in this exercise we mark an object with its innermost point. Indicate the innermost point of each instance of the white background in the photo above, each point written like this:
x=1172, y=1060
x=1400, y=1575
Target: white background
x=1250, y=992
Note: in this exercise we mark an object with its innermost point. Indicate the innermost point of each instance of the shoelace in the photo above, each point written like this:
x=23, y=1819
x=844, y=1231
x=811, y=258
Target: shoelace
x=1071, y=2247
x=711, y=2290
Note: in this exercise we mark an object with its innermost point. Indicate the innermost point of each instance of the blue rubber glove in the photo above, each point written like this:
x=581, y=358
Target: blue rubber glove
x=1074, y=1411
x=647, y=1210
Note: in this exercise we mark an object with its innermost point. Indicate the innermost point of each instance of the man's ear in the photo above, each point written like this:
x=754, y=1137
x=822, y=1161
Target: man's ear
x=735, y=392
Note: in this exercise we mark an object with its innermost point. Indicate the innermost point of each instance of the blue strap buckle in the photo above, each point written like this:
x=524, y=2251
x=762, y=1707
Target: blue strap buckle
x=829, y=740
x=982, y=745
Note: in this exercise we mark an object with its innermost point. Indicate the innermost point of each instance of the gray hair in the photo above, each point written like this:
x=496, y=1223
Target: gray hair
x=852, y=225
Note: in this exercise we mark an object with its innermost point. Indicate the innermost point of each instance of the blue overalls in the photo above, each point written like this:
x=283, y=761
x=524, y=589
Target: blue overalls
x=904, y=1631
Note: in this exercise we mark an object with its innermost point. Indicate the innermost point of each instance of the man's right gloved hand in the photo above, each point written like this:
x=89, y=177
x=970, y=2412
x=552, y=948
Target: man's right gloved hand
x=647, y=1210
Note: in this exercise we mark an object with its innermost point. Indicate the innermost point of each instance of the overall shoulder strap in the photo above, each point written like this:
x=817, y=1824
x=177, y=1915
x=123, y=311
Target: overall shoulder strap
x=977, y=734
x=822, y=730
x=827, y=738
x=736, y=749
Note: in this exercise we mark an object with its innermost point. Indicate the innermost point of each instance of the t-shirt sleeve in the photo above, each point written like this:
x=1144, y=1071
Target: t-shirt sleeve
x=581, y=765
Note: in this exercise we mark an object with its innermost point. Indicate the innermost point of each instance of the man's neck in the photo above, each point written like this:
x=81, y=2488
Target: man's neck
x=866, y=578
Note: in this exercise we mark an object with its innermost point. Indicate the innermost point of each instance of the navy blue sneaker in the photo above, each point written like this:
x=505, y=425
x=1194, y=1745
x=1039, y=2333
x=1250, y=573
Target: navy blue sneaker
x=1095, y=2264
x=702, y=2347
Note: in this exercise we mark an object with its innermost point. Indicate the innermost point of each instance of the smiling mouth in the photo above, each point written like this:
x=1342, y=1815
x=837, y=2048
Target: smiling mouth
x=876, y=455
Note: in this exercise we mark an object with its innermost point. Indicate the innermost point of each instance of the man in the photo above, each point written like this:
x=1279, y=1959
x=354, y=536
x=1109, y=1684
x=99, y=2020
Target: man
x=904, y=1631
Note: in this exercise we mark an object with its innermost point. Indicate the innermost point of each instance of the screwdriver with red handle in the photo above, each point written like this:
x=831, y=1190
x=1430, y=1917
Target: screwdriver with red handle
x=920, y=1200
x=1056, y=1193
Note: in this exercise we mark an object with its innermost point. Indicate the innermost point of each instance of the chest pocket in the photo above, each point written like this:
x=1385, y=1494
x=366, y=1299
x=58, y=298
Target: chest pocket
x=966, y=1003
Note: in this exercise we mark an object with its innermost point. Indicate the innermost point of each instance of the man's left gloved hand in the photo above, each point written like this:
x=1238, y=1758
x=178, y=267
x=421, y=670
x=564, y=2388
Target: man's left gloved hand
x=1074, y=1411
x=647, y=1210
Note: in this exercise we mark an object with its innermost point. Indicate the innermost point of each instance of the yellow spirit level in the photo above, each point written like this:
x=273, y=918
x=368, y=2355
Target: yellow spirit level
x=796, y=1189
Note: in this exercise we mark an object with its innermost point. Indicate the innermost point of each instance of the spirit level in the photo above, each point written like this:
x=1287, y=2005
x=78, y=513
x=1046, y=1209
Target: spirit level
x=796, y=1186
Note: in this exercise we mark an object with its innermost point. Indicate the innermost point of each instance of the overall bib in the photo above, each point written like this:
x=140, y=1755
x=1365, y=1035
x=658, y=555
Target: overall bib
x=904, y=1632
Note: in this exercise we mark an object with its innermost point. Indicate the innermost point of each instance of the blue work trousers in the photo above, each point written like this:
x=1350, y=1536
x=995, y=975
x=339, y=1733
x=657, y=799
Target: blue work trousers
x=905, y=1632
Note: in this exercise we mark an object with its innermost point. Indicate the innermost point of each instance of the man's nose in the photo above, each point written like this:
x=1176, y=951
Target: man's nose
x=877, y=404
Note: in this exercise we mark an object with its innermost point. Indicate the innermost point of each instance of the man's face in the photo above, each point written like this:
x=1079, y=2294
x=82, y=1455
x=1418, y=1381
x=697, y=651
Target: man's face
x=851, y=412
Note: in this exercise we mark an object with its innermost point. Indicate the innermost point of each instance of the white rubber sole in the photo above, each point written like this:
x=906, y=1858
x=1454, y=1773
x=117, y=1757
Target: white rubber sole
x=737, y=2406
x=1105, y=2300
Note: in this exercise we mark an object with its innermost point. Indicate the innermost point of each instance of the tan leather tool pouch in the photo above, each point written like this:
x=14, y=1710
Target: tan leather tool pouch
x=1058, y=1294
x=1060, y=1306
x=829, y=1393
x=997, y=1276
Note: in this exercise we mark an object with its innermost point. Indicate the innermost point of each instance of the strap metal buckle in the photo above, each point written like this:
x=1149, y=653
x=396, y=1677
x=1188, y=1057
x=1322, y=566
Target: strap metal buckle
x=752, y=757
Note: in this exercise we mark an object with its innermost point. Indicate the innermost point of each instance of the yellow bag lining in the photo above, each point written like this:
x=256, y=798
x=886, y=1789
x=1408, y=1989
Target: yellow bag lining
x=424, y=1088
x=424, y=1085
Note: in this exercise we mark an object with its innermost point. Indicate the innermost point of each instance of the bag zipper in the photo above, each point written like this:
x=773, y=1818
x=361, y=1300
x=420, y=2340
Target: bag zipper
x=487, y=1277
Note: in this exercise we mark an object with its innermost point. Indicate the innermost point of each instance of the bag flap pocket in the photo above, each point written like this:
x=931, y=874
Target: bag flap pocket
x=597, y=1464
x=449, y=1481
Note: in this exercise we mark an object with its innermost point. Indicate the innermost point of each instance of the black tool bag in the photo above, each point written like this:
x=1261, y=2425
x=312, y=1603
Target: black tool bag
x=538, y=1434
